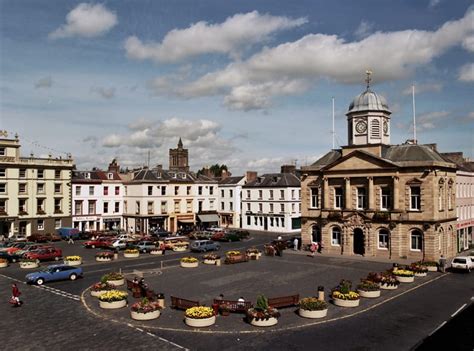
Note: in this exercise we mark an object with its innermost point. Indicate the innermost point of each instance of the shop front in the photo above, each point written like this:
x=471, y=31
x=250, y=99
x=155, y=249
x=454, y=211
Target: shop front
x=207, y=220
x=157, y=223
x=112, y=223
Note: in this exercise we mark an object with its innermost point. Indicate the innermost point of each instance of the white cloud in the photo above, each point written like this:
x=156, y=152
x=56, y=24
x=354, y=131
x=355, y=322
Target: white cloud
x=45, y=82
x=434, y=3
x=86, y=20
x=468, y=43
x=430, y=120
x=364, y=29
x=423, y=88
x=228, y=37
x=466, y=73
x=317, y=56
x=106, y=93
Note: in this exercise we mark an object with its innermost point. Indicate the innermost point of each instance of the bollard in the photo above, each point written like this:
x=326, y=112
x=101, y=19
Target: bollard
x=395, y=267
x=161, y=300
x=321, y=293
x=218, y=262
x=115, y=256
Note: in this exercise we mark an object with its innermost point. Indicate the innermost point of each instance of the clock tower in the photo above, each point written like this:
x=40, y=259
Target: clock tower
x=368, y=118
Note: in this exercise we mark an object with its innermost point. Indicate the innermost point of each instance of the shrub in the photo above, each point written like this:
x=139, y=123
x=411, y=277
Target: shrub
x=312, y=304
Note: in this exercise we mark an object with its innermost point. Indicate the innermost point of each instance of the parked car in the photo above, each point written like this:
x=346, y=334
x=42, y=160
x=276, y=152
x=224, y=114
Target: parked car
x=204, y=245
x=53, y=237
x=85, y=235
x=119, y=244
x=13, y=257
x=66, y=233
x=146, y=246
x=32, y=247
x=102, y=242
x=54, y=272
x=18, y=238
x=242, y=234
x=160, y=233
x=201, y=235
x=175, y=240
x=462, y=263
x=16, y=246
x=228, y=237
x=38, y=238
x=48, y=254
x=217, y=235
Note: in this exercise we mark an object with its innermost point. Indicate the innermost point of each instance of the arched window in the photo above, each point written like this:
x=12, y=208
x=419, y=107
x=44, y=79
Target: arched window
x=416, y=241
x=316, y=234
x=383, y=239
x=336, y=236
x=375, y=129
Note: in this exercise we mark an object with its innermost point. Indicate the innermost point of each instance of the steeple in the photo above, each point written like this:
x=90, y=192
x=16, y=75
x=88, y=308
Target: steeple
x=179, y=158
x=180, y=144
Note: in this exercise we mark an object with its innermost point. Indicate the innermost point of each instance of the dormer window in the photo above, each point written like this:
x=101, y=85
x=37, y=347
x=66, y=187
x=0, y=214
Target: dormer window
x=87, y=175
x=110, y=176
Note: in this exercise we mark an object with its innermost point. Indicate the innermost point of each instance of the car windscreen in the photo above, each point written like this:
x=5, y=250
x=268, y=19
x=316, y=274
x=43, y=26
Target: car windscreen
x=459, y=260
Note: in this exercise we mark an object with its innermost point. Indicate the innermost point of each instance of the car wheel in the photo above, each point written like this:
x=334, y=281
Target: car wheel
x=39, y=281
x=73, y=276
x=13, y=260
x=93, y=246
x=56, y=258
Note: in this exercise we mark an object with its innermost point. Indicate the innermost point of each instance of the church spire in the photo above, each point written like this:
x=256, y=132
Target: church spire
x=180, y=143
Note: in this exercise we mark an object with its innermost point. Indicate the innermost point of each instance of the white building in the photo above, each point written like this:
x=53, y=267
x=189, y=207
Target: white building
x=34, y=192
x=230, y=201
x=272, y=202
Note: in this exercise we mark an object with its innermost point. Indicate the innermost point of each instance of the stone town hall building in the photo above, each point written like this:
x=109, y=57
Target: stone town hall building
x=376, y=199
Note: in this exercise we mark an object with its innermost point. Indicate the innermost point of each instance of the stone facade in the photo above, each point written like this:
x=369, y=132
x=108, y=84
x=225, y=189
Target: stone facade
x=179, y=158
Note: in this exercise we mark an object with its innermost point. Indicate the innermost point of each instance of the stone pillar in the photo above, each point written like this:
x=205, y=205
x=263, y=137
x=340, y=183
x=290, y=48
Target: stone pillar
x=347, y=193
x=326, y=193
x=371, y=194
x=396, y=193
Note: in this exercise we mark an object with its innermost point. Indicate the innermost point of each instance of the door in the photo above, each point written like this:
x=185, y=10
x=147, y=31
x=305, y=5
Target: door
x=316, y=234
x=359, y=248
x=265, y=223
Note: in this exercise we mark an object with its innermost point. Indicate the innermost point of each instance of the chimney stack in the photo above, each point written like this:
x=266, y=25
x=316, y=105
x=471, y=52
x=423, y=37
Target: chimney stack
x=288, y=169
x=251, y=176
x=114, y=166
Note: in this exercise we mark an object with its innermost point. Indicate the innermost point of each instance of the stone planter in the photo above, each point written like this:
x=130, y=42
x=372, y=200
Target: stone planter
x=313, y=314
x=112, y=305
x=211, y=262
x=73, y=263
x=421, y=274
x=369, y=294
x=254, y=256
x=405, y=279
x=346, y=303
x=156, y=252
x=200, y=323
x=98, y=292
x=189, y=264
x=432, y=268
x=29, y=265
x=3, y=264
x=388, y=287
x=138, y=316
x=264, y=322
x=131, y=255
x=180, y=248
x=103, y=259
x=116, y=282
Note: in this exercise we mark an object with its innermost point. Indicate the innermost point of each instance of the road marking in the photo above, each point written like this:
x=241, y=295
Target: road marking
x=458, y=310
x=439, y=327
x=14, y=279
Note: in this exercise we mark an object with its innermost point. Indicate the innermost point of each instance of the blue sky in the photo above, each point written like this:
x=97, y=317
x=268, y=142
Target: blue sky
x=246, y=83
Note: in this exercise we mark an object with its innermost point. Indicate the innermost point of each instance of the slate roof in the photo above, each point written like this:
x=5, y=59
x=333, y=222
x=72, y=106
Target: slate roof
x=230, y=180
x=275, y=180
x=95, y=176
x=327, y=159
x=411, y=152
x=166, y=176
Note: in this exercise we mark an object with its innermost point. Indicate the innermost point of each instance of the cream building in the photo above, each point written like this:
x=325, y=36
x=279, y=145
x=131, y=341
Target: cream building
x=230, y=201
x=376, y=199
x=35, y=193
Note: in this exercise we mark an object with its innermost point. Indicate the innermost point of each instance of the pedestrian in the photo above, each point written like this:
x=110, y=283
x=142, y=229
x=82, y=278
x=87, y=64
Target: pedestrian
x=15, y=300
x=241, y=302
x=220, y=297
x=135, y=280
x=70, y=241
x=279, y=238
x=442, y=264
x=312, y=248
x=295, y=244
x=320, y=246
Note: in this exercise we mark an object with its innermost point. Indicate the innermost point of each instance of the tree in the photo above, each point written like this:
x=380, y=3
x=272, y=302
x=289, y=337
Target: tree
x=214, y=170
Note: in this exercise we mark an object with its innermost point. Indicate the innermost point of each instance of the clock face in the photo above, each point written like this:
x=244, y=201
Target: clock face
x=385, y=127
x=361, y=127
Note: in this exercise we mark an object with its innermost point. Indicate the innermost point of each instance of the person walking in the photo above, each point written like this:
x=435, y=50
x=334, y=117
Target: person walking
x=312, y=248
x=295, y=244
x=442, y=264
x=70, y=241
x=15, y=300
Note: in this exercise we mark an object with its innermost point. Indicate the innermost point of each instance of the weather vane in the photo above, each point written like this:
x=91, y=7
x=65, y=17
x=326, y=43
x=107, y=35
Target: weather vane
x=368, y=79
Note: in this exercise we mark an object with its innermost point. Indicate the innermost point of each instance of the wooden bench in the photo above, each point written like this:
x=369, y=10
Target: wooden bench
x=233, y=306
x=284, y=301
x=139, y=291
x=182, y=304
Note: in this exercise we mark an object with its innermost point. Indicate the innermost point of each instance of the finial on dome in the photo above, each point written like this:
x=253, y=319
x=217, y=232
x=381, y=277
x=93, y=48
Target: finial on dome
x=368, y=79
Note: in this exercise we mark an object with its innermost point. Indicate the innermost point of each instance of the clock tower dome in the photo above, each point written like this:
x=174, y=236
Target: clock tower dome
x=368, y=118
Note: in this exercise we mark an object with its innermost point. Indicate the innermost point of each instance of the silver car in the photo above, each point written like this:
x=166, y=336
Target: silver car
x=204, y=245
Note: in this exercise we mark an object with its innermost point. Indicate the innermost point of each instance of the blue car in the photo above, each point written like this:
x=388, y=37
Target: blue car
x=54, y=272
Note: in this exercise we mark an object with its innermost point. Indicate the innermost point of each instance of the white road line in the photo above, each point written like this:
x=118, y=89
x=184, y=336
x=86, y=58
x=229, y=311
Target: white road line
x=159, y=337
x=140, y=330
x=458, y=310
x=439, y=327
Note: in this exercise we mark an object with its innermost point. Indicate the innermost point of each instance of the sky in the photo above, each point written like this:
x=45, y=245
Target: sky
x=244, y=83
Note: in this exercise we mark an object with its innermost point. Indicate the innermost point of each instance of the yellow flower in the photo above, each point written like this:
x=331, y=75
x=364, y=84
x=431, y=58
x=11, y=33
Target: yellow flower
x=189, y=259
x=73, y=258
x=199, y=312
x=113, y=295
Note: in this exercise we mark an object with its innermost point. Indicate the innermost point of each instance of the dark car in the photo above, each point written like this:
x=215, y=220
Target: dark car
x=38, y=238
x=84, y=235
x=13, y=257
x=230, y=236
x=242, y=234
x=160, y=233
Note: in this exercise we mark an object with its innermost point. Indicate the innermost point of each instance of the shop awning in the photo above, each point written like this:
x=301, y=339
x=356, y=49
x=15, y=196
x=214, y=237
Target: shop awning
x=206, y=218
x=185, y=220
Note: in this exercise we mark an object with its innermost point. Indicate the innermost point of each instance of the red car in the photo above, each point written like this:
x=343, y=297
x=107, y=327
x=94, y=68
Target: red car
x=100, y=242
x=47, y=254
x=217, y=236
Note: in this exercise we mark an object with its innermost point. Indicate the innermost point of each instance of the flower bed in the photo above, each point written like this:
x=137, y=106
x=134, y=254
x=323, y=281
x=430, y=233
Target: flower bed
x=419, y=269
x=104, y=256
x=199, y=317
x=404, y=275
x=145, y=310
x=113, y=299
x=311, y=307
x=156, y=251
x=180, y=247
x=343, y=296
x=99, y=288
x=73, y=260
x=431, y=266
x=131, y=253
x=253, y=253
x=262, y=315
x=386, y=280
x=3, y=263
x=114, y=278
x=189, y=262
x=368, y=289
x=26, y=263
x=211, y=259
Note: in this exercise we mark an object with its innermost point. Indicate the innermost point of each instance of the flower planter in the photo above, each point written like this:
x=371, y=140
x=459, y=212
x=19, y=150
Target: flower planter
x=388, y=287
x=200, y=323
x=405, y=279
x=421, y=274
x=139, y=316
x=156, y=252
x=103, y=259
x=73, y=263
x=116, y=282
x=346, y=303
x=189, y=264
x=212, y=262
x=369, y=294
x=254, y=256
x=131, y=255
x=112, y=305
x=264, y=322
x=3, y=264
x=313, y=314
x=180, y=248
x=98, y=292
x=29, y=265
x=432, y=268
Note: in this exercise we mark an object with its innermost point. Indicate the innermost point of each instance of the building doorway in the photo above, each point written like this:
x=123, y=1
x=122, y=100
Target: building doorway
x=265, y=223
x=359, y=247
x=316, y=234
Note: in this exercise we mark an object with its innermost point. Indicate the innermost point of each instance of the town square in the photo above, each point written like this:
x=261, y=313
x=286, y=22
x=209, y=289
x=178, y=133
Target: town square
x=230, y=176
